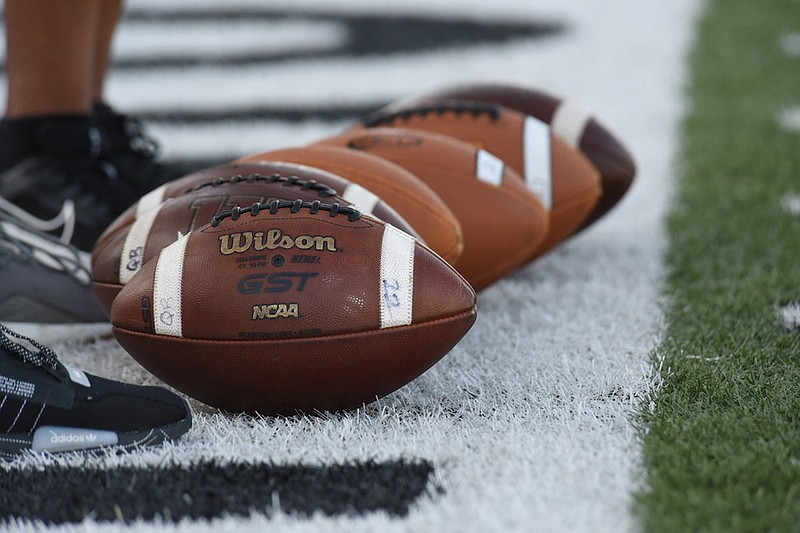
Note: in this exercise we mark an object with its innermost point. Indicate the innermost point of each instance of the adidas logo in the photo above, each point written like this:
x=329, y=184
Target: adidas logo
x=60, y=439
x=63, y=438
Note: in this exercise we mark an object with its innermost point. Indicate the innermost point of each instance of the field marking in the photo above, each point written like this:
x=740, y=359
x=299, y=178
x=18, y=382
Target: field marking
x=789, y=119
x=790, y=316
x=790, y=202
x=790, y=43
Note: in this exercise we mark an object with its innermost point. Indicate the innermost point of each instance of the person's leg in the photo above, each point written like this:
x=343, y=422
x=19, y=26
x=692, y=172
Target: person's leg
x=125, y=143
x=49, y=69
x=108, y=15
x=50, y=56
x=55, y=137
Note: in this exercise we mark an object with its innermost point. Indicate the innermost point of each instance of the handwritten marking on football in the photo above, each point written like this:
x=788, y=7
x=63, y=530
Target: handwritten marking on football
x=168, y=289
x=133, y=249
x=167, y=315
x=391, y=295
x=397, y=278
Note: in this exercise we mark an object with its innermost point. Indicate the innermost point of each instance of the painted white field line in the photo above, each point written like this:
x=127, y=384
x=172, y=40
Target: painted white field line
x=789, y=315
x=789, y=119
x=790, y=202
x=790, y=43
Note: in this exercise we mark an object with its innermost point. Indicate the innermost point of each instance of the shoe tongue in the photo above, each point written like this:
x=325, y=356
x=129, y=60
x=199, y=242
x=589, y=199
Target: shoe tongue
x=69, y=135
x=103, y=111
x=34, y=373
x=29, y=383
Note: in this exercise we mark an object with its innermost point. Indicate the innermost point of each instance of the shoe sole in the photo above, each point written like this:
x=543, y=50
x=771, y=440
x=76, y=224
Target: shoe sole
x=54, y=439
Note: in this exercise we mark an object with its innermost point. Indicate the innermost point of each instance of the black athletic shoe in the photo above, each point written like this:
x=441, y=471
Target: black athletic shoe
x=46, y=406
x=127, y=146
x=66, y=189
x=44, y=281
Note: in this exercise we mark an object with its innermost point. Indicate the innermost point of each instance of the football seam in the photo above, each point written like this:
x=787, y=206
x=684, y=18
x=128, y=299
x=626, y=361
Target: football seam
x=294, y=206
x=459, y=108
x=291, y=181
x=448, y=318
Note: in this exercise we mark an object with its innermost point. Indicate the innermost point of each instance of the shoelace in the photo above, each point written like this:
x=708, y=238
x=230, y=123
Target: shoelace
x=125, y=132
x=45, y=250
x=138, y=140
x=43, y=357
x=294, y=206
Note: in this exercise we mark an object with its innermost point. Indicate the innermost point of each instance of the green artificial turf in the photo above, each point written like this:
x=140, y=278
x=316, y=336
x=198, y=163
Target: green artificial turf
x=722, y=437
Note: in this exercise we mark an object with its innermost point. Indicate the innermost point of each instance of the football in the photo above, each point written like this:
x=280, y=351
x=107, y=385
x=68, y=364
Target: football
x=190, y=202
x=570, y=120
x=292, y=306
x=503, y=223
x=561, y=176
x=414, y=200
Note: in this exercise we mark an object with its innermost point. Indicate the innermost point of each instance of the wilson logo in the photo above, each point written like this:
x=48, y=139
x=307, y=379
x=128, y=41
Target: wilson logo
x=274, y=239
x=270, y=311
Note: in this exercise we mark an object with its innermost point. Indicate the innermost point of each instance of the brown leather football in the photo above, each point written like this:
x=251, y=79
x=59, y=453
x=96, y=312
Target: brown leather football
x=503, y=223
x=419, y=205
x=190, y=202
x=292, y=306
x=561, y=176
x=578, y=126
